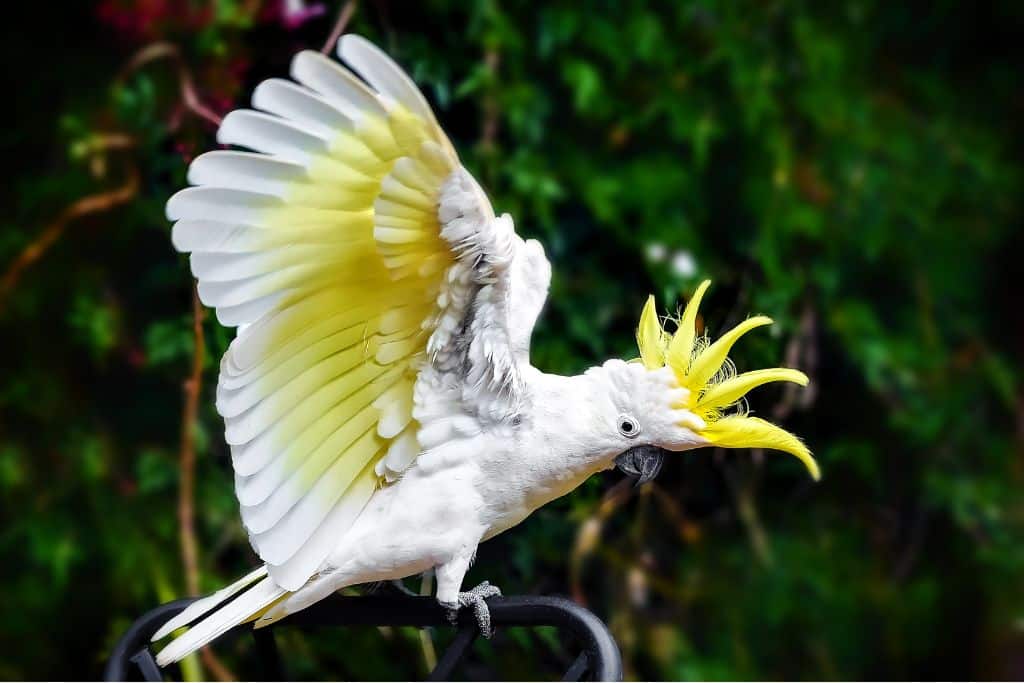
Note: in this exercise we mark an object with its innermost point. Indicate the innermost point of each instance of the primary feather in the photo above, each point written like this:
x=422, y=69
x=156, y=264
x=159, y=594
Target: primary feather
x=324, y=242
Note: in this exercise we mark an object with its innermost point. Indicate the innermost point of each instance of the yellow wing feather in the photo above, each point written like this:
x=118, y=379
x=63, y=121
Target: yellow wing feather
x=333, y=267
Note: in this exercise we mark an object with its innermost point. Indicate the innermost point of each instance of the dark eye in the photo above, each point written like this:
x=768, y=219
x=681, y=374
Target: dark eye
x=628, y=426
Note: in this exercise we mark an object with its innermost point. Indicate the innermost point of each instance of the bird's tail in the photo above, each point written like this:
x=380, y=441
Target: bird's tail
x=246, y=607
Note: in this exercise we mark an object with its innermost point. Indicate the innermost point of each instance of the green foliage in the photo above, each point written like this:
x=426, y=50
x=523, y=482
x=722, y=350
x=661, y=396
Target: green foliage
x=851, y=169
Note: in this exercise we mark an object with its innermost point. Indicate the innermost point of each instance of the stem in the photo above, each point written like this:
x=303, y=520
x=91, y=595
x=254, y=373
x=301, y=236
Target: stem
x=187, y=453
x=95, y=203
x=491, y=113
x=743, y=491
x=187, y=463
x=588, y=535
x=426, y=639
x=165, y=50
x=344, y=16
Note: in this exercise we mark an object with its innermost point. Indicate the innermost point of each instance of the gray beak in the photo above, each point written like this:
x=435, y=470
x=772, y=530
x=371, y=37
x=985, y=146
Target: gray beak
x=641, y=462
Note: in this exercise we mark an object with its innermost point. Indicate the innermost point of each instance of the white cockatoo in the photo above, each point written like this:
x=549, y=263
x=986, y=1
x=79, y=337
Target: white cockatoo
x=381, y=409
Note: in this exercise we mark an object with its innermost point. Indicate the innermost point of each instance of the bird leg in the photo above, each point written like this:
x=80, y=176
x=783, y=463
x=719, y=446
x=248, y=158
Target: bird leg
x=449, y=581
x=476, y=598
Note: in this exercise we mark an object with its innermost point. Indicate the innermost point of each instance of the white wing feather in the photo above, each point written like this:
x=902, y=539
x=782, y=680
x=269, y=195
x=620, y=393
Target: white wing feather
x=349, y=246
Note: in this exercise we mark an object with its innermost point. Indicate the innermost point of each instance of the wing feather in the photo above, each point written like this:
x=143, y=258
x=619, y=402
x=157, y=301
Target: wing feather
x=336, y=84
x=246, y=171
x=269, y=134
x=347, y=245
x=382, y=73
x=295, y=103
x=242, y=314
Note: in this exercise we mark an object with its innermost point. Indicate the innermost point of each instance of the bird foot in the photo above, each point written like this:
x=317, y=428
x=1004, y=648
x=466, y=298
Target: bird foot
x=475, y=598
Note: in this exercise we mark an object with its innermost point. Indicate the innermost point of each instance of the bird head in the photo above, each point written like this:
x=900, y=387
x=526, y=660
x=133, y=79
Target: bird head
x=683, y=392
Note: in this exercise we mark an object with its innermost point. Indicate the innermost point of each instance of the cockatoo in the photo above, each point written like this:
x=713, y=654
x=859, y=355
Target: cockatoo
x=380, y=406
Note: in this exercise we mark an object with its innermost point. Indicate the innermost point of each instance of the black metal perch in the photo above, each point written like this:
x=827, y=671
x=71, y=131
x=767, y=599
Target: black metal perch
x=599, y=657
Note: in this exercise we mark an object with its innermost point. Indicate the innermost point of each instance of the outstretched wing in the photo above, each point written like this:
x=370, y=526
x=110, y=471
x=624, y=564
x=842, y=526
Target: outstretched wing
x=351, y=249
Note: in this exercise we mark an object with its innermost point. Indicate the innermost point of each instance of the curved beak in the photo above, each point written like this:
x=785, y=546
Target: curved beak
x=641, y=462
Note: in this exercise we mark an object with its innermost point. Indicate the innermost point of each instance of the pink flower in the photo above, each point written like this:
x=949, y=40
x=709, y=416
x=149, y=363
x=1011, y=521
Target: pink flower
x=294, y=13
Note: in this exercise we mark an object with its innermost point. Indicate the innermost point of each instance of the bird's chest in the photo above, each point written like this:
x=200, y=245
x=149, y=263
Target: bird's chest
x=422, y=519
x=522, y=477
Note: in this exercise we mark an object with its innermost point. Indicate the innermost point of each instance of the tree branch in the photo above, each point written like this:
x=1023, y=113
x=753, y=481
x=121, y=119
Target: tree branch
x=801, y=352
x=425, y=635
x=106, y=200
x=192, y=389
x=193, y=385
x=744, y=492
x=588, y=534
x=491, y=113
x=344, y=16
x=95, y=203
x=187, y=453
x=189, y=96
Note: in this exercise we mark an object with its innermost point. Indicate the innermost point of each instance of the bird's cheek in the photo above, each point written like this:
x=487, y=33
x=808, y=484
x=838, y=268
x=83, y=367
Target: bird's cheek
x=685, y=434
x=678, y=396
x=688, y=421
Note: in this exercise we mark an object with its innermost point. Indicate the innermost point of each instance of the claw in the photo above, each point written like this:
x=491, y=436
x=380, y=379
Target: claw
x=475, y=598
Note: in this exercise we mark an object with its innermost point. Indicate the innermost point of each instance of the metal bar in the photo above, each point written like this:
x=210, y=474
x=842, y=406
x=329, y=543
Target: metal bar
x=137, y=637
x=455, y=652
x=147, y=665
x=578, y=668
x=603, y=658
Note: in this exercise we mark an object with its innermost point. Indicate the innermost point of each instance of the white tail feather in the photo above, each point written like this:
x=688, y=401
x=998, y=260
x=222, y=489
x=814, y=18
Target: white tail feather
x=244, y=607
x=204, y=605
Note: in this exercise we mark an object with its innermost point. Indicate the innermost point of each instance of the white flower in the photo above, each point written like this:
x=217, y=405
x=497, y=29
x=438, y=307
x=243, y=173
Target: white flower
x=683, y=264
x=656, y=252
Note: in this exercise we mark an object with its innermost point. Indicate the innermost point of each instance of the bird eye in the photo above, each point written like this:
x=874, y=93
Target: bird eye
x=628, y=426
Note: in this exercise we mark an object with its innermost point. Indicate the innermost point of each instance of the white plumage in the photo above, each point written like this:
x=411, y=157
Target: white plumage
x=378, y=398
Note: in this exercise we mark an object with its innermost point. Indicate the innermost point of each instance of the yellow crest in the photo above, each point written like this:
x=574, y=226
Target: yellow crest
x=704, y=368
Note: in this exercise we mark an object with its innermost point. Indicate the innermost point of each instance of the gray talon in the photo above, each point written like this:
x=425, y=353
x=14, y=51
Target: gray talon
x=475, y=598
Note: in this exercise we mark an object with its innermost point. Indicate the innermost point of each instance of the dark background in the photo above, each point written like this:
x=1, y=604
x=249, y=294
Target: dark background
x=852, y=169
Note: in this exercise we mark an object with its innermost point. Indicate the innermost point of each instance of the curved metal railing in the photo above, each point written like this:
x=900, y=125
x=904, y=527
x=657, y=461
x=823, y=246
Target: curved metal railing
x=599, y=658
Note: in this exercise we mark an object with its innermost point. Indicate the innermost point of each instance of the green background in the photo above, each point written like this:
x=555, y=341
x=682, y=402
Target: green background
x=851, y=169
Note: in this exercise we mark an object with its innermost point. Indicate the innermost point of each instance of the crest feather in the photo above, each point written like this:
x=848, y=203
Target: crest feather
x=650, y=337
x=704, y=368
